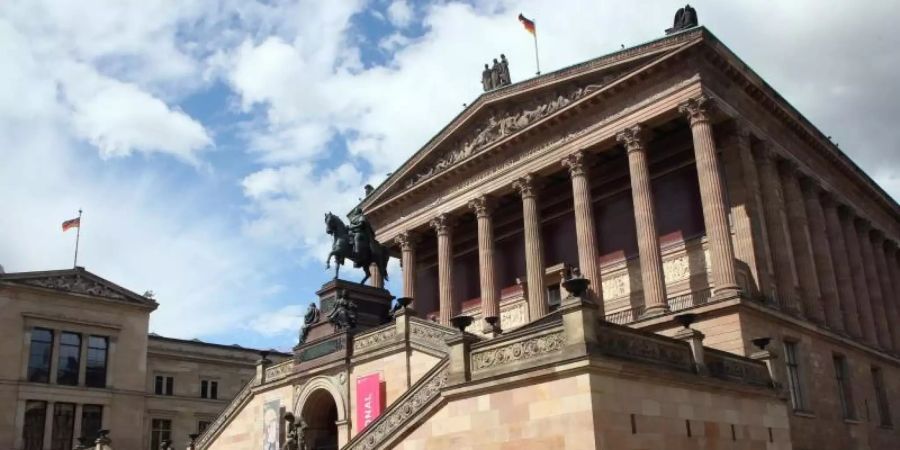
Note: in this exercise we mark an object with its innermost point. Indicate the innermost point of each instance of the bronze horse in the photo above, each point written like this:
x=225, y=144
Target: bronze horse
x=343, y=248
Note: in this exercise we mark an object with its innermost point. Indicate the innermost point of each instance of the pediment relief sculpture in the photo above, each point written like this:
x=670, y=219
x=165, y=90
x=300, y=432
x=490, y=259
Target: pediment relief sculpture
x=77, y=285
x=496, y=127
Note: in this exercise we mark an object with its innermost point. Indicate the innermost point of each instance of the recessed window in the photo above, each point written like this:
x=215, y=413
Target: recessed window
x=798, y=399
x=845, y=395
x=209, y=389
x=33, y=429
x=160, y=430
x=69, y=358
x=63, y=426
x=884, y=407
x=97, y=352
x=91, y=421
x=39, y=355
x=164, y=385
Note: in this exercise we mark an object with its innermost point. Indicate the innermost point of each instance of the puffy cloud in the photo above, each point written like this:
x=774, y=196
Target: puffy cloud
x=400, y=13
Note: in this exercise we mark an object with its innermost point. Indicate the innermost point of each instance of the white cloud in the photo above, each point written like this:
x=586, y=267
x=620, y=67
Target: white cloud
x=400, y=13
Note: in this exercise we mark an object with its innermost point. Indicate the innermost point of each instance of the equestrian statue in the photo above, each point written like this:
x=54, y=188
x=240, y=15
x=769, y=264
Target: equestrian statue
x=356, y=243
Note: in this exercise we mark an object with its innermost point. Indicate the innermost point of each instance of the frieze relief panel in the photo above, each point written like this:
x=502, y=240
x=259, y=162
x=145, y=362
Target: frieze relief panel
x=518, y=351
x=278, y=371
x=75, y=284
x=375, y=339
x=512, y=315
x=680, y=263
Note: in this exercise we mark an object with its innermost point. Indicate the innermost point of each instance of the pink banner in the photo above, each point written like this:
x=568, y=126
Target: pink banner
x=369, y=401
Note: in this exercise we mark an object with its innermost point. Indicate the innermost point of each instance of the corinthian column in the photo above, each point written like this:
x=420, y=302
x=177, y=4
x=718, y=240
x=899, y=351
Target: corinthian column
x=841, y=258
x=803, y=253
x=490, y=292
x=408, y=241
x=715, y=214
x=876, y=311
x=443, y=225
x=534, y=246
x=585, y=231
x=863, y=302
x=779, y=236
x=821, y=248
x=885, y=311
x=654, y=285
x=893, y=301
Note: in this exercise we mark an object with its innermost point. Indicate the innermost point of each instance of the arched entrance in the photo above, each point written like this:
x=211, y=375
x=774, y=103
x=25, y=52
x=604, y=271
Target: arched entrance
x=321, y=415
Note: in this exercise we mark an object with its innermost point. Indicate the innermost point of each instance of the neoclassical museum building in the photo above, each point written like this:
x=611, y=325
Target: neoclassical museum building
x=743, y=280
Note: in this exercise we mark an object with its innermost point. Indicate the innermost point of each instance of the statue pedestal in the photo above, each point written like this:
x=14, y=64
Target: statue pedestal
x=372, y=309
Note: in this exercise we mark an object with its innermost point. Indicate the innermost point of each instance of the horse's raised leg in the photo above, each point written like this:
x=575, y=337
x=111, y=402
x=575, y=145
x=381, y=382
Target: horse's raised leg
x=365, y=269
x=328, y=260
x=337, y=269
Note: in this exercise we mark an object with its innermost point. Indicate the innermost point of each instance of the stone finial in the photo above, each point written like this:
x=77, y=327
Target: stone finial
x=443, y=223
x=697, y=109
x=482, y=205
x=528, y=186
x=633, y=138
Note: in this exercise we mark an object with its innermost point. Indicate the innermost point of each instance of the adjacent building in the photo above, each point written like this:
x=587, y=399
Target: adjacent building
x=78, y=358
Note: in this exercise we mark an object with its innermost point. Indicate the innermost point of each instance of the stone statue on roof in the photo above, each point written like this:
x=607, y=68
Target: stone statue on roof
x=486, y=78
x=684, y=18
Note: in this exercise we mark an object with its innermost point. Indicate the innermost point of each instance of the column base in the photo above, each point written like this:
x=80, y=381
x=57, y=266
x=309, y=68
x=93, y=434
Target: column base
x=727, y=293
x=655, y=311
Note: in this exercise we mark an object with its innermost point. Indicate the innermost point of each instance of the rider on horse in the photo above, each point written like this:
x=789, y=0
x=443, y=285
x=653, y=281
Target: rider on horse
x=363, y=235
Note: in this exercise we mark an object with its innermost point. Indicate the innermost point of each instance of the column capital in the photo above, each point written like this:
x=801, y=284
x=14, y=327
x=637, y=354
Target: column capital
x=577, y=163
x=528, y=186
x=863, y=224
x=634, y=138
x=808, y=185
x=878, y=237
x=764, y=152
x=407, y=240
x=697, y=109
x=789, y=166
x=483, y=205
x=844, y=211
x=443, y=224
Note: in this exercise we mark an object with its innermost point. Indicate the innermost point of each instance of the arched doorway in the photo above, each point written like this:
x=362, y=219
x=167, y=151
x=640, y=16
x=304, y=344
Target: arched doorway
x=320, y=414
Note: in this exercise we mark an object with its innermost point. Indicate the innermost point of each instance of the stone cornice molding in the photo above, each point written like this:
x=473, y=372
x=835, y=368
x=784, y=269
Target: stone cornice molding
x=698, y=109
x=634, y=138
x=443, y=224
x=483, y=206
x=528, y=186
x=407, y=240
x=577, y=163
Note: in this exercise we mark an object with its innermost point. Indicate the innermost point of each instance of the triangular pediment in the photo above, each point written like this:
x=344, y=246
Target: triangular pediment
x=77, y=281
x=505, y=112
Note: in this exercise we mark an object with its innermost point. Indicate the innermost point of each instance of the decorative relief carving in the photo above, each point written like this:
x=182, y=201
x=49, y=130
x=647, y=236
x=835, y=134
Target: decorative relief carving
x=407, y=240
x=676, y=269
x=443, y=223
x=697, y=109
x=376, y=339
x=483, y=205
x=528, y=186
x=431, y=335
x=518, y=351
x=400, y=413
x=643, y=348
x=279, y=371
x=730, y=368
x=496, y=128
x=576, y=163
x=75, y=284
x=616, y=286
x=514, y=315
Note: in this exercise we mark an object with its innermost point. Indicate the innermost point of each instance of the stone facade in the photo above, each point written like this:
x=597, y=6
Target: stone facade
x=79, y=303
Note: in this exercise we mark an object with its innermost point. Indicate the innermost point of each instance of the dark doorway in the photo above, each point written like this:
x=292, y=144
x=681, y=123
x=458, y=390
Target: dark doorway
x=320, y=415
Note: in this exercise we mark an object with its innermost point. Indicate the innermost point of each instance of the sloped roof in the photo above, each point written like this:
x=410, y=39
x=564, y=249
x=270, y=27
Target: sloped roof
x=77, y=281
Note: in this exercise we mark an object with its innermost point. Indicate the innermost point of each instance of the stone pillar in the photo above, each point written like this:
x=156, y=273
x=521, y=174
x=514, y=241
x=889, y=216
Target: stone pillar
x=654, y=285
x=779, y=236
x=443, y=226
x=528, y=187
x=854, y=253
x=694, y=338
x=48, y=423
x=376, y=278
x=751, y=239
x=262, y=364
x=888, y=295
x=803, y=253
x=712, y=196
x=408, y=241
x=841, y=258
x=876, y=307
x=487, y=272
x=585, y=230
x=893, y=303
x=821, y=248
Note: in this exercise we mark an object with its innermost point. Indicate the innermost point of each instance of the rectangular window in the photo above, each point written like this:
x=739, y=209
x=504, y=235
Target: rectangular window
x=63, y=426
x=209, y=389
x=160, y=430
x=95, y=373
x=33, y=430
x=69, y=358
x=164, y=385
x=202, y=426
x=91, y=421
x=884, y=407
x=39, y=355
x=841, y=376
x=793, y=376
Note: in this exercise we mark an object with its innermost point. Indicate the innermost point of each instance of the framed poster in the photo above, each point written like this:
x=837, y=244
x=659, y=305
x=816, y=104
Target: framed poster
x=369, y=399
x=271, y=425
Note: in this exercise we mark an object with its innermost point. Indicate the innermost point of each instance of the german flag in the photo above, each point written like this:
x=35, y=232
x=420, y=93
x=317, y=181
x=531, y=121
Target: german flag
x=527, y=23
x=71, y=223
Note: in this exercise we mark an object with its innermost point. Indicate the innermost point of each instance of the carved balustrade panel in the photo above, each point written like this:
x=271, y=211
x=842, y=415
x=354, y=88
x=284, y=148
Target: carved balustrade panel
x=517, y=351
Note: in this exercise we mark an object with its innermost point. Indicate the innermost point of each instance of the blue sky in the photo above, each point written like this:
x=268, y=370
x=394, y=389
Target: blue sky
x=206, y=139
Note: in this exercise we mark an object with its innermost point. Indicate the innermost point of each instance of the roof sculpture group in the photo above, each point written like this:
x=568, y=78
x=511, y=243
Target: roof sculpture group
x=684, y=18
x=496, y=75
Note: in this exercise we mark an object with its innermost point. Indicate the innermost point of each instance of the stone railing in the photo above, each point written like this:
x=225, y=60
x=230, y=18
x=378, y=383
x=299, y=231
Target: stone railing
x=676, y=303
x=216, y=426
x=728, y=366
x=376, y=338
x=430, y=334
x=542, y=341
x=280, y=370
x=389, y=426
x=626, y=343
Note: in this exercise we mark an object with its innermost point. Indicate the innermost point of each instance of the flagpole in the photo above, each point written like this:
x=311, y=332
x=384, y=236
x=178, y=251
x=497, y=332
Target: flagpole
x=536, y=60
x=77, y=237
